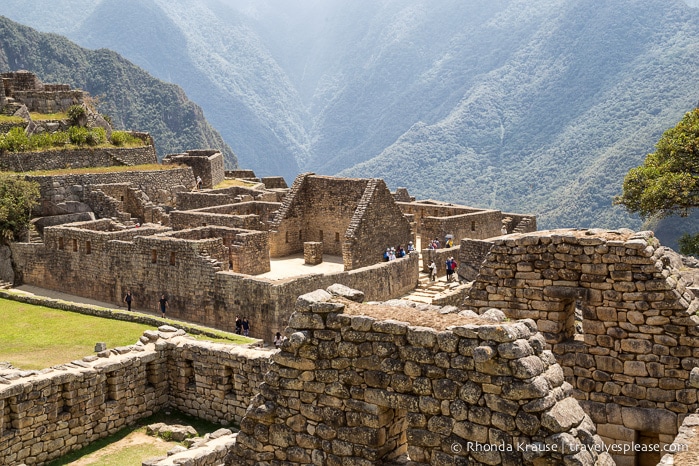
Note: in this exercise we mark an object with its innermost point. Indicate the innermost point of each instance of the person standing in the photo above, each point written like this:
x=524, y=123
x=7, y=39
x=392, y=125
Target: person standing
x=246, y=326
x=238, y=326
x=433, y=271
x=278, y=339
x=163, y=305
x=200, y=183
x=128, y=299
x=449, y=269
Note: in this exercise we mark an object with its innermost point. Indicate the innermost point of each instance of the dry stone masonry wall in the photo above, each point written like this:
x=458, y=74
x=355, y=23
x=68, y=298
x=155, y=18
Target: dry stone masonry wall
x=353, y=390
x=46, y=414
x=631, y=365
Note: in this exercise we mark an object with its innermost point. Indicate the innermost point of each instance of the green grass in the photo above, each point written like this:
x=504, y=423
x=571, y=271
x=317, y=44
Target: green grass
x=48, y=116
x=234, y=182
x=136, y=453
x=10, y=119
x=91, y=170
x=36, y=337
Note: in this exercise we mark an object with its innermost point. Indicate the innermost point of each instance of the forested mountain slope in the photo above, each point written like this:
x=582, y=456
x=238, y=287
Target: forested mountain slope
x=133, y=99
x=524, y=106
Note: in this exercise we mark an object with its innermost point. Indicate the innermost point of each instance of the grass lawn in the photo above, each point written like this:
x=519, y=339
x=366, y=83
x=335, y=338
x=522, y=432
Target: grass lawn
x=48, y=116
x=36, y=337
x=234, y=182
x=121, y=168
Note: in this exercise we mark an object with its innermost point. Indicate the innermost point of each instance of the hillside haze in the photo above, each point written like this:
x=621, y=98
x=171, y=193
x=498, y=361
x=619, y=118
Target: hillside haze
x=536, y=107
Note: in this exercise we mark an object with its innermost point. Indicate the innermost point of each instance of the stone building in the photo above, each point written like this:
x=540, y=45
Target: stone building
x=631, y=353
x=353, y=218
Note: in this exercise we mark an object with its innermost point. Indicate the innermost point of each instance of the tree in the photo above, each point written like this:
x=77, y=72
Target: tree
x=17, y=198
x=668, y=181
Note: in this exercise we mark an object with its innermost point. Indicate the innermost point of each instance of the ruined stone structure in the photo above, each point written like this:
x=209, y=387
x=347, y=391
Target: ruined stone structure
x=25, y=88
x=351, y=389
x=353, y=218
x=630, y=366
x=46, y=415
x=206, y=164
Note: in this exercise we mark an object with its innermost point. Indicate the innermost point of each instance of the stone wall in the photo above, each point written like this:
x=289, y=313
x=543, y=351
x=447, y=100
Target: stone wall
x=354, y=218
x=274, y=182
x=483, y=224
x=351, y=389
x=247, y=215
x=47, y=414
x=316, y=209
x=77, y=158
x=630, y=366
x=224, y=196
x=160, y=186
x=99, y=261
x=472, y=253
x=376, y=224
x=207, y=164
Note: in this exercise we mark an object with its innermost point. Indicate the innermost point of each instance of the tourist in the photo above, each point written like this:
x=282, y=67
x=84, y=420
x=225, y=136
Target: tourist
x=238, y=326
x=449, y=270
x=278, y=340
x=400, y=252
x=127, y=299
x=503, y=230
x=433, y=271
x=246, y=326
x=411, y=248
x=200, y=183
x=392, y=254
x=163, y=305
x=437, y=244
x=386, y=254
x=448, y=243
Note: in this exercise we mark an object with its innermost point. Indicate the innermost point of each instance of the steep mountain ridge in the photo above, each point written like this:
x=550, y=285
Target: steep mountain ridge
x=129, y=95
x=523, y=106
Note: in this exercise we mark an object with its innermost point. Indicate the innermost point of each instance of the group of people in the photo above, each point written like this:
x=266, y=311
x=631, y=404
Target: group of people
x=435, y=244
x=162, y=303
x=450, y=266
x=397, y=252
x=242, y=326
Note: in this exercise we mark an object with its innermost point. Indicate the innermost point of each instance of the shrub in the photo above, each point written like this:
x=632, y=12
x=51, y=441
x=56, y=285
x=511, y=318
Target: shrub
x=96, y=136
x=76, y=114
x=122, y=138
x=78, y=135
x=17, y=197
x=15, y=140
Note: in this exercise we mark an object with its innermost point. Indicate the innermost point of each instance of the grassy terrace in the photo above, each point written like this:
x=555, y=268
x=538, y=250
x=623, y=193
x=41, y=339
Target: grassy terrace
x=36, y=337
x=91, y=170
x=10, y=119
x=48, y=116
x=229, y=183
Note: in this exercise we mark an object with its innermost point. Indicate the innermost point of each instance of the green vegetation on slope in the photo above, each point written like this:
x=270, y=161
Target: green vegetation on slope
x=132, y=98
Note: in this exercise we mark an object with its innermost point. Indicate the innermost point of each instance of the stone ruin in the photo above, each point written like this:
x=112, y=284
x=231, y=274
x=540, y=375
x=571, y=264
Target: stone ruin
x=351, y=389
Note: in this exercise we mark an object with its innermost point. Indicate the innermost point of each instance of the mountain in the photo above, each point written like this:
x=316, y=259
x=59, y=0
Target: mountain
x=536, y=107
x=129, y=95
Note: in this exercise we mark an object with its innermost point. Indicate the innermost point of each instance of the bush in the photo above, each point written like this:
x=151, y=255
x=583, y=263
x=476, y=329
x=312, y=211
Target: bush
x=15, y=140
x=17, y=197
x=96, y=136
x=76, y=114
x=77, y=135
x=122, y=138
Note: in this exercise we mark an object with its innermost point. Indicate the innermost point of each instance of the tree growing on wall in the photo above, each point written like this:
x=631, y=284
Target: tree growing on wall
x=667, y=182
x=17, y=197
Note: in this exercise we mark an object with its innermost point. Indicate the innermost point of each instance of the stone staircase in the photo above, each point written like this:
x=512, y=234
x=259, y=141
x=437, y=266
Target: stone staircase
x=427, y=290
